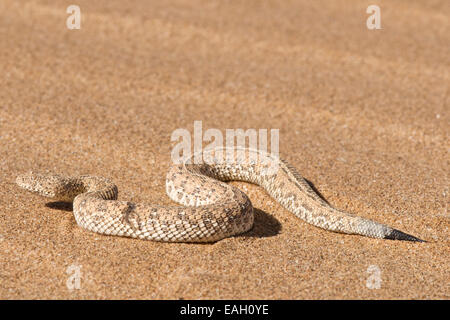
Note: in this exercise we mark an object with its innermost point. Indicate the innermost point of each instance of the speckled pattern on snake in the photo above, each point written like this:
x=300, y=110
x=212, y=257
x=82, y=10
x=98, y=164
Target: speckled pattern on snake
x=211, y=209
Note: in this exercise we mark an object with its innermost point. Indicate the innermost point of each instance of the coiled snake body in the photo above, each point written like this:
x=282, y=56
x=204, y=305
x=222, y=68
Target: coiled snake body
x=211, y=209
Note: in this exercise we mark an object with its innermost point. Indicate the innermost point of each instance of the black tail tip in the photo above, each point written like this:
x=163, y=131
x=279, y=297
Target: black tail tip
x=398, y=235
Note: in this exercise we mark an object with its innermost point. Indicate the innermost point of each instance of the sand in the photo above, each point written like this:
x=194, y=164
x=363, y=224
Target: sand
x=362, y=114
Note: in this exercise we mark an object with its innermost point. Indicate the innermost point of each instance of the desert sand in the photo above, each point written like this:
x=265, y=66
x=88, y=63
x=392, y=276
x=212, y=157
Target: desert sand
x=362, y=114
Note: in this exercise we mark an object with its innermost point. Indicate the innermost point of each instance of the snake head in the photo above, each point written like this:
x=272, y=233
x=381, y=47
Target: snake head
x=47, y=185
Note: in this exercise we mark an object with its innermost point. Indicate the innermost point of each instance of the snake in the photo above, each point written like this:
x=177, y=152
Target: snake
x=209, y=209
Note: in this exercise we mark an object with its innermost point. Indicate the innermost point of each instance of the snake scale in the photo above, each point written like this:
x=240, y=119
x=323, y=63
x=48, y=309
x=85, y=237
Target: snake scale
x=211, y=209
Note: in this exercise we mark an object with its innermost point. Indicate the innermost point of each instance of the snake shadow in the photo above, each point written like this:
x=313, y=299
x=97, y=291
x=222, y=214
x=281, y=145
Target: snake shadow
x=264, y=226
x=60, y=205
x=316, y=191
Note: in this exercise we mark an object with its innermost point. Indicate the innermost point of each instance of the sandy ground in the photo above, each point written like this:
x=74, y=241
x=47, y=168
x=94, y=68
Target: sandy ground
x=363, y=114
